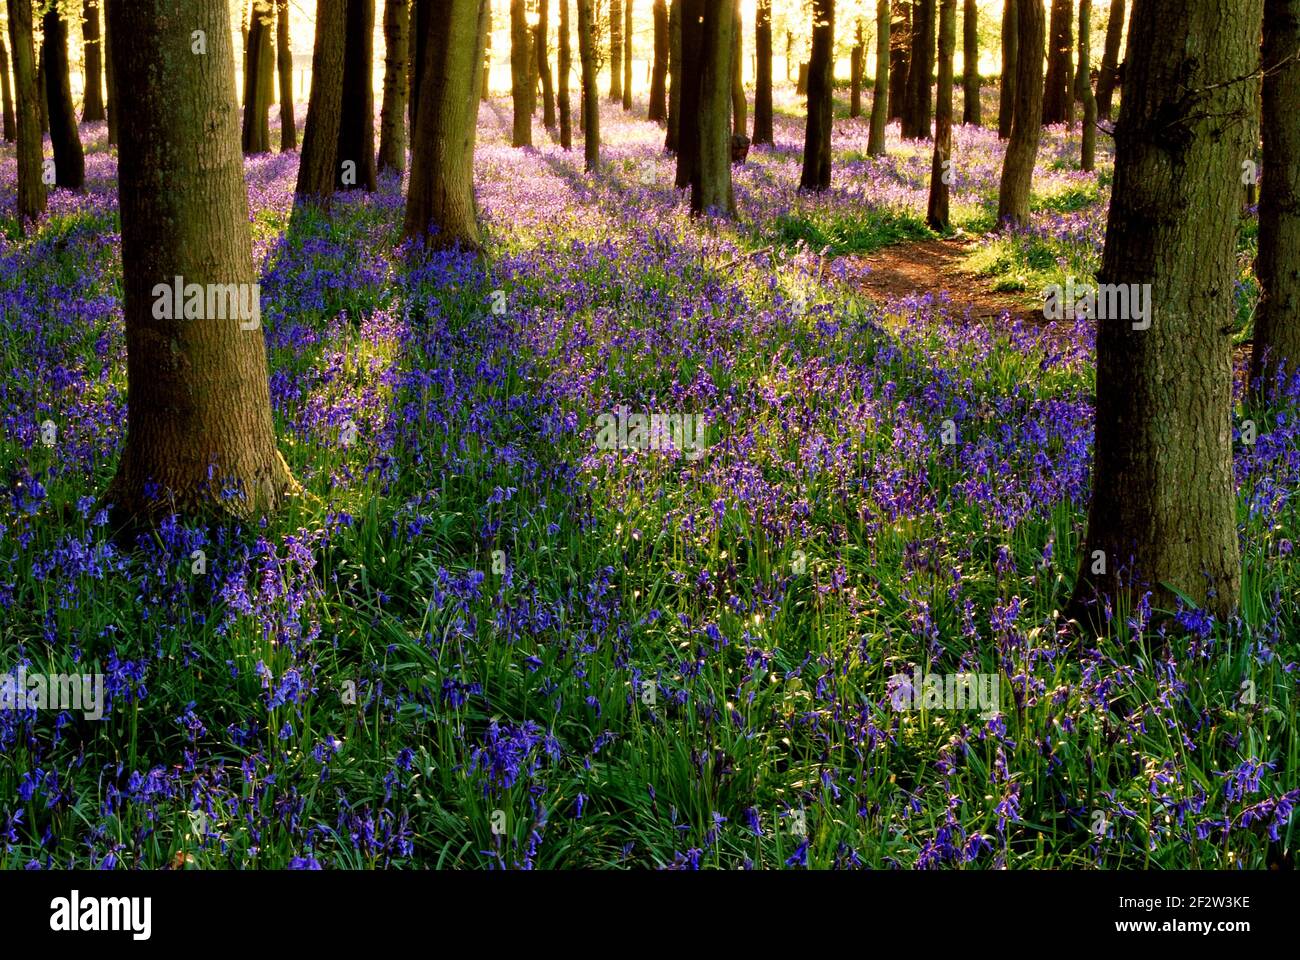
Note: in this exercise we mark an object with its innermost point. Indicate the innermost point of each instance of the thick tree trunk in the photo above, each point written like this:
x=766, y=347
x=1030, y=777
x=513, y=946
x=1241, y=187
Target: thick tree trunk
x=917, y=113
x=1058, y=95
x=616, y=50
x=42, y=89
x=357, y=121
x=10, y=130
x=880, y=95
x=92, y=101
x=1277, y=323
x=587, y=39
x=627, y=54
x=658, y=109
x=486, y=93
x=1010, y=67
x=544, y=63
x=739, y=108
x=69, y=161
x=900, y=56
x=320, y=134
x=1083, y=88
x=111, y=106
x=672, y=138
x=940, y=169
x=392, y=115
x=421, y=17
x=856, y=58
x=763, y=73
x=817, y=132
x=27, y=96
x=688, y=135
x=970, y=70
x=440, y=208
x=1110, y=60
x=259, y=65
x=566, y=66
x=1026, y=117
x=521, y=134
x=711, y=176
x=1164, y=505
x=199, y=406
x=284, y=69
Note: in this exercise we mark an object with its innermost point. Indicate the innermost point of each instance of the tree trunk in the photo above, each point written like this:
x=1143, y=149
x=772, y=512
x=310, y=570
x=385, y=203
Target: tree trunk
x=900, y=56
x=92, y=106
x=658, y=109
x=10, y=132
x=1026, y=117
x=1164, y=505
x=1058, y=97
x=27, y=96
x=627, y=54
x=1110, y=60
x=763, y=73
x=284, y=65
x=1277, y=323
x=259, y=65
x=801, y=85
x=940, y=168
x=711, y=179
x=521, y=134
x=672, y=138
x=486, y=93
x=43, y=100
x=440, y=208
x=970, y=68
x=856, y=57
x=917, y=112
x=739, y=108
x=817, y=132
x=544, y=63
x=392, y=115
x=590, y=95
x=320, y=134
x=880, y=95
x=421, y=17
x=69, y=161
x=616, y=50
x=199, y=406
x=111, y=106
x=1083, y=88
x=566, y=66
x=1010, y=67
x=357, y=118
x=688, y=135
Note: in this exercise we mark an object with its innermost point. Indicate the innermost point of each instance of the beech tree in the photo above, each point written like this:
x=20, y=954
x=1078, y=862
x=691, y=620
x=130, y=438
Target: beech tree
x=900, y=56
x=110, y=84
x=688, y=133
x=880, y=95
x=284, y=69
x=739, y=108
x=1010, y=68
x=10, y=128
x=763, y=73
x=857, y=56
x=817, y=131
x=198, y=400
x=566, y=66
x=1083, y=88
x=616, y=50
x=544, y=63
x=259, y=60
x=1058, y=94
x=711, y=174
x=27, y=97
x=970, y=70
x=940, y=167
x=627, y=54
x=356, y=168
x=65, y=139
x=657, y=111
x=521, y=134
x=92, y=100
x=392, y=114
x=1026, y=117
x=1109, y=72
x=590, y=95
x=917, y=109
x=320, y=134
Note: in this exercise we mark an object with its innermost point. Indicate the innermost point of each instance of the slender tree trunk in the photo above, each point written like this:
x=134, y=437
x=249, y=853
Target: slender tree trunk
x=590, y=95
x=711, y=176
x=1058, y=97
x=320, y=134
x=856, y=57
x=688, y=136
x=27, y=96
x=970, y=69
x=880, y=95
x=1027, y=115
x=566, y=66
x=486, y=93
x=817, y=133
x=356, y=158
x=940, y=168
x=111, y=104
x=917, y=114
x=801, y=85
x=1163, y=515
x=199, y=404
x=900, y=57
x=284, y=66
x=440, y=207
x=789, y=55
x=392, y=115
x=763, y=73
x=92, y=109
x=739, y=108
x=7, y=94
x=544, y=63
x=1110, y=59
x=658, y=109
x=259, y=64
x=616, y=50
x=69, y=161
x=522, y=130
x=421, y=17
x=673, y=137
x=627, y=54
x=1277, y=323
x=1010, y=67
x=1083, y=88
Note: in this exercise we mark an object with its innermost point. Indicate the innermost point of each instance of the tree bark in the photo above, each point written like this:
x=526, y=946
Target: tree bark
x=627, y=54
x=970, y=70
x=10, y=130
x=1110, y=60
x=739, y=108
x=259, y=64
x=521, y=134
x=440, y=207
x=763, y=73
x=111, y=105
x=1277, y=322
x=616, y=50
x=711, y=179
x=199, y=407
x=27, y=96
x=658, y=109
x=856, y=57
x=69, y=161
x=1083, y=88
x=917, y=112
x=817, y=131
x=1026, y=118
x=1058, y=97
x=284, y=65
x=41, y=88
x=1164, y=504
x=1010, y=67
x=544, y=64
x=357, y=119
x=590, y=95
x=566, y=66
x=320, y=134
x=940, y=169
x=880, y=95
x=688, y=133
x=900, y=56
x=486, y=93
x=92, y=103
x=672, y=138
x=392, y=115
x=421, y=17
